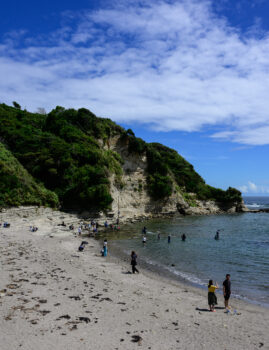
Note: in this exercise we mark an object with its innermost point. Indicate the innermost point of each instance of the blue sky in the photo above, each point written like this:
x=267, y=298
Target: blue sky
x=193, y=75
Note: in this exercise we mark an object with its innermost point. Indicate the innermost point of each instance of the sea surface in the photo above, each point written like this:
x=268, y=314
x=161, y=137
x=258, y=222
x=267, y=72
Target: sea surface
x=242, y=250
x=256, y=202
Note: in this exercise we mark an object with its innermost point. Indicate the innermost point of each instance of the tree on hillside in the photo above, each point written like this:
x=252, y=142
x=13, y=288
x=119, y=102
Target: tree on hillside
x=16, y=105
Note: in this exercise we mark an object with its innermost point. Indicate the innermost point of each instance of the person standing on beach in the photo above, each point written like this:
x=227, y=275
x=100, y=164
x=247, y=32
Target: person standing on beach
x=133, y=262
x=105, y=247
x=212, y=298
x=227, y=290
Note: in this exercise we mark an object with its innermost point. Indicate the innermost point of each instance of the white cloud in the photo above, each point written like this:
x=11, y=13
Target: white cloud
x=252, y=188
x=172, y=65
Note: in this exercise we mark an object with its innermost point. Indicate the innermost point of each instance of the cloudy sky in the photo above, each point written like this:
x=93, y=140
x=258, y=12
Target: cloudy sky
x=193, y=75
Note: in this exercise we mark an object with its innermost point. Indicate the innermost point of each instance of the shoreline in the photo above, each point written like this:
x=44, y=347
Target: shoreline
x=53, y=296
x=168, y=276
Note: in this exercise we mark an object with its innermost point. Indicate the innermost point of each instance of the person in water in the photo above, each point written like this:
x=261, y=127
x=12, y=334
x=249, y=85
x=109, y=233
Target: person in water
x=217, y=235
x=159, y=236
x=227, y=290
x=212, y=298
x=183, y=237
x=133, y=262
x=144, y=230
x=144, y=240
x=169, y=238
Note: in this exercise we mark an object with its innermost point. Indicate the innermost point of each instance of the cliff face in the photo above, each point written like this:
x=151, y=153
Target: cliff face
x=81, y=162
x=131, y=200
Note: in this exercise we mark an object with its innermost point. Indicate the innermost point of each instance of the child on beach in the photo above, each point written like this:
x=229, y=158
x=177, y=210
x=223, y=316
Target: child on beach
x=105, y=247
x=212, y=298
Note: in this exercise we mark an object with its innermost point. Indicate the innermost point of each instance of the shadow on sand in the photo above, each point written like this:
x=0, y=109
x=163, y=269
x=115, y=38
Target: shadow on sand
x=207, y=310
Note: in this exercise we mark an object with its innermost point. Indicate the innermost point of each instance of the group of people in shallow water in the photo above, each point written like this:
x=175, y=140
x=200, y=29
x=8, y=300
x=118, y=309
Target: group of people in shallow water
x=144, y=239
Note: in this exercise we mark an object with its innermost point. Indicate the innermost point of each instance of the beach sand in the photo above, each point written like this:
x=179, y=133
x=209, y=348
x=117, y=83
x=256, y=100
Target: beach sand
x=54, y=297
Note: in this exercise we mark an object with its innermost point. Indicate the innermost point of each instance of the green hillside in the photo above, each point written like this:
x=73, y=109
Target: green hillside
x=17, y=187
x=64, y=150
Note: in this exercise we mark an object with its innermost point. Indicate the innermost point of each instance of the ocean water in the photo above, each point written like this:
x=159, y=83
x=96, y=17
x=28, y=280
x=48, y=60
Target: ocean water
x=242, y=250
x=256, y=202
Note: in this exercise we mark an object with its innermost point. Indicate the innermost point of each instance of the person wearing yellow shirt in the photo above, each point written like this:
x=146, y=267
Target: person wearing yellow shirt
x=212, y=298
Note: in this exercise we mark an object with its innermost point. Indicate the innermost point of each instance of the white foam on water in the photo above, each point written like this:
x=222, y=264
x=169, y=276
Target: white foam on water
x=254, y=205
x=186, y=276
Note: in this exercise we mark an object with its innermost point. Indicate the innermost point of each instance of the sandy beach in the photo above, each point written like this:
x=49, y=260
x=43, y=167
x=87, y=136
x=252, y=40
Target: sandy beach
x=54, y=297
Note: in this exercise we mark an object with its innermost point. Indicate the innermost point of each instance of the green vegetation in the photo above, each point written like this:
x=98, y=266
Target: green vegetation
x=60, y=158
x=61, y=150
x=17, y=187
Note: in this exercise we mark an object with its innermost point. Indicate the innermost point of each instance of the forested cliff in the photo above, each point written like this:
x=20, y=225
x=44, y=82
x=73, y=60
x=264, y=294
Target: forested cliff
x=74, y=160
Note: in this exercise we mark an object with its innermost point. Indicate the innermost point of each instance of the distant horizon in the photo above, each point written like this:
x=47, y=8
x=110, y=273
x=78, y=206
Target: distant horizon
x=258, y=195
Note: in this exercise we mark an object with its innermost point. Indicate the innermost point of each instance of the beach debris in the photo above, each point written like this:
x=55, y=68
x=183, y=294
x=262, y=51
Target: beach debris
x=107, y=299
x=44, y=312
x=137, y=339
x=75, y=297
x=34, y=321
x=42, y=301
x=261, y=345
x=3, y=292
x=12, y=286
x=84, y=319
x=73, y=327
x=21, y=280
x=67, y=317
x=96, y=296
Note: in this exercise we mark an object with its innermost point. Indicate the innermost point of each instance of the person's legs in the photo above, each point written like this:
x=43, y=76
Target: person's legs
x=136, y=270
x=226, y=301
x=133, y=268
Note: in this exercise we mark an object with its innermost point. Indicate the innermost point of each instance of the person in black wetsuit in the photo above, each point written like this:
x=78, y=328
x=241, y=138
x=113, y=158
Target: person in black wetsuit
x=183, y=237
x=217, y=235
x=133, y=262
x=227, y=290
x=144, y=230
x=169, y=238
